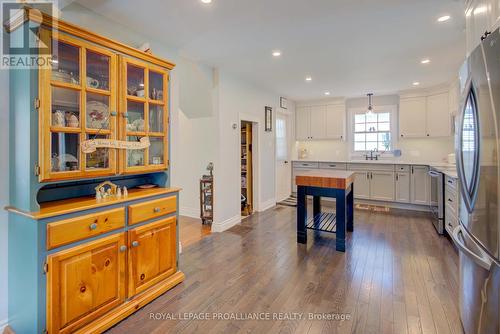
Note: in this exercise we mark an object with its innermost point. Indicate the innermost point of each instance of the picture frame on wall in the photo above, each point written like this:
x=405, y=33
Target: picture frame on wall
x=283, y=103
x=269, y=119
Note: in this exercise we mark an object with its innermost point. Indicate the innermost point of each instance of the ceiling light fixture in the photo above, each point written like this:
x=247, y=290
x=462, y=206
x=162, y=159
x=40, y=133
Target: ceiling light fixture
x=276, y=53
x=480, y=10
x=416, y=83
x=327, y=93
x=309, y=79
x=444, y=18
x=206, y=1
x=425, y=61
x=369, y=110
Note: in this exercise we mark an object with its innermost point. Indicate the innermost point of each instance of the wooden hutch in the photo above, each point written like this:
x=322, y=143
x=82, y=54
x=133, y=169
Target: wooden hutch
x=77, y=263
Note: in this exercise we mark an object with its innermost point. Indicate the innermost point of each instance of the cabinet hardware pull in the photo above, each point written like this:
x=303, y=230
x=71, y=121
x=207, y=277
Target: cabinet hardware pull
x=123, y=248
x=450, y=200
x=135, y=243
x=113, y=113
x=397, y=177
x=93, y=226
x=156, y=210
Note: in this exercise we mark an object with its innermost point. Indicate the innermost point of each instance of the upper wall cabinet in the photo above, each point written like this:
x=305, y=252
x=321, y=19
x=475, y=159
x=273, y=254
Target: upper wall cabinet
x=90, y=92
x=480, y=16
x=425, y=116
x=320, y=122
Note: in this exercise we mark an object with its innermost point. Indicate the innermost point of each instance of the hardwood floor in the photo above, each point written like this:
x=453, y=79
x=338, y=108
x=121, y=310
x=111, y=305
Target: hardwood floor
x=191, y=230
x=397, y=276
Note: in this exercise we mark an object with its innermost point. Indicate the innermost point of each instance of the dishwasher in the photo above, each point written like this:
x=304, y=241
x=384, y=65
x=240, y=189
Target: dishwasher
x=437, y=199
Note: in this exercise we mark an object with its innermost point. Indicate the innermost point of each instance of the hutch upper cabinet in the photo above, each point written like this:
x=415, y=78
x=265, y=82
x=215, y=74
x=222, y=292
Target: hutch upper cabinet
x=144, y=114
x=78, y=99
x=82, y=98
x=80, y=263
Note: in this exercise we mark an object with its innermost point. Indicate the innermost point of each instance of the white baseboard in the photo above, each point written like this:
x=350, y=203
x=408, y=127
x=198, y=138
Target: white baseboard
x=226, y=224
x=267, y=205
x=189, y=212
x=3, y=324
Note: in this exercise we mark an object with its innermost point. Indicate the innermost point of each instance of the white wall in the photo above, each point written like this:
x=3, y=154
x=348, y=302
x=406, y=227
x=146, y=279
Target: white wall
x=4, y=191
x=238, y=101
x=413, y=150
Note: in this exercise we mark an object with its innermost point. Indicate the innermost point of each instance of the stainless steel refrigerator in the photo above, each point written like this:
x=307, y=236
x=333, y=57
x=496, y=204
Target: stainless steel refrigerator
x=477, y=152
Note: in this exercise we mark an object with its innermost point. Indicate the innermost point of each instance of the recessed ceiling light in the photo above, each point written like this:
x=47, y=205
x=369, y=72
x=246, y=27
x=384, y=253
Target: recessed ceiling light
x=444, y=18
x=276, y=53
x=206, y=1
x=327, y=93
x=425, y=61
x=480, y=10
x=416, y=83
x=309, y=79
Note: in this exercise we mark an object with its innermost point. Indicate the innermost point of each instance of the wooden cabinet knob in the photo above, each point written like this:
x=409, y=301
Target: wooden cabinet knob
x=83, y=288
x=143, y=277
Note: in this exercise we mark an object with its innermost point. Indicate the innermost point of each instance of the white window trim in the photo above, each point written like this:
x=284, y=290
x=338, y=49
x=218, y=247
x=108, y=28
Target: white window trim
x=392, y=109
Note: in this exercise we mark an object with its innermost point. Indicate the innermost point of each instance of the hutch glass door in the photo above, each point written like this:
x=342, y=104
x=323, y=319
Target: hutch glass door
x=78, y=103
x=145, y=115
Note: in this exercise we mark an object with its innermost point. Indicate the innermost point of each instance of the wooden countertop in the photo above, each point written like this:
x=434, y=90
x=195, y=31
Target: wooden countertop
x=338, y=179
x=57, y=208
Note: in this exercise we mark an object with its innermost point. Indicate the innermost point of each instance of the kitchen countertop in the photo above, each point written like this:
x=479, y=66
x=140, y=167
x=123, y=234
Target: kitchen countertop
x=443, y=167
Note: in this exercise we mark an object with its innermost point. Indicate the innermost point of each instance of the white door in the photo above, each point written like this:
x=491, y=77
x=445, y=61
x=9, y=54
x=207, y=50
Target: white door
x=403, y=187
x=381, y=186
x=335, y=121
x=412, y=117
x=303, y=123
x=420, y=185
x=283, y=165
x=318, y=122
x=438, y=116
x=362, y=185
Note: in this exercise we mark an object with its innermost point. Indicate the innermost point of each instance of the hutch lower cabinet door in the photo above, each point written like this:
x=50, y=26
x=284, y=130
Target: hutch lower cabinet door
x=152, y=256
x=85, y=282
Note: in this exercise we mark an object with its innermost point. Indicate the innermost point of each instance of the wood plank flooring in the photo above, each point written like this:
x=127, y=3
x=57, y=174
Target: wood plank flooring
x=397, y=276
x=191, y=230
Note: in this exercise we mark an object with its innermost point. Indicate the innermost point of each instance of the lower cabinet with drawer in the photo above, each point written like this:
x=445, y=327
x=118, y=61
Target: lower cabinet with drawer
x=85, y=264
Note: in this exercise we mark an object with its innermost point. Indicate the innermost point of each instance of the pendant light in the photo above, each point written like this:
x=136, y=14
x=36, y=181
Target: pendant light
x=369, y=110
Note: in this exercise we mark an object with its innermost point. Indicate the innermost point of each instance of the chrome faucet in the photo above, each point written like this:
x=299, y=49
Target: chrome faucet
x=372, y=156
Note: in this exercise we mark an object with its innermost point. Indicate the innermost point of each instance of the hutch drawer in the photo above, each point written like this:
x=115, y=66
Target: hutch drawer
x=78, y=228
x=333, y=165
x=145, y=211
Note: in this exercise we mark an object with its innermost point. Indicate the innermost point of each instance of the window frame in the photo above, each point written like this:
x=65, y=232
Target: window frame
x=391, y=109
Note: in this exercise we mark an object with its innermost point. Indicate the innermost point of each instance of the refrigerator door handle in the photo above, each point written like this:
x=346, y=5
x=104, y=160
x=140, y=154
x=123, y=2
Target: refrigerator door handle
x=484, y=260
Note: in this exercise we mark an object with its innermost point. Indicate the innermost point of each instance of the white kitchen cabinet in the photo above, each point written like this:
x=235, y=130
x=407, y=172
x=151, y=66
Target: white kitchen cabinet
x=303, y=123
x=425, y=116
x=412, y=117
x=402, y=187
x=480, y=16
x=318, y=122
x=335, y=121
x=362, y=185
x=438, y=115
x=382, y=186
x=420, y=185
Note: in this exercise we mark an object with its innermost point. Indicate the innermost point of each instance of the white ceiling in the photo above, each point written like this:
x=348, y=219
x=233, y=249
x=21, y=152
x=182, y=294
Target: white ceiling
x=349, y=47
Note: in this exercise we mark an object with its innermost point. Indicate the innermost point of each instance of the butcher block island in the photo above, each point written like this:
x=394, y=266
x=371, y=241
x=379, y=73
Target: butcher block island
x=325, y=183
x=93, y=218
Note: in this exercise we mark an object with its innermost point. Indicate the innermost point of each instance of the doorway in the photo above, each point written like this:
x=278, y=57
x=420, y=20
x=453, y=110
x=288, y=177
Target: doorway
x=283, y=168
x=246, y=168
